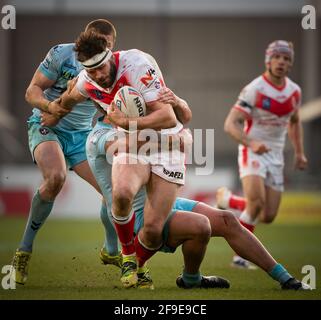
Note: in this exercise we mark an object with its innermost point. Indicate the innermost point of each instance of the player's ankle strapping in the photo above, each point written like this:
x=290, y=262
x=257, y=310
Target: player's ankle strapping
x=279, y=273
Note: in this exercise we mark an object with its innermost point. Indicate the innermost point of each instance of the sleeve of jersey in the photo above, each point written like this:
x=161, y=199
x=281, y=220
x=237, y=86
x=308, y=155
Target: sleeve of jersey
x=50, y=66
x=82, y=84
x=245, y=101
x=147, y=80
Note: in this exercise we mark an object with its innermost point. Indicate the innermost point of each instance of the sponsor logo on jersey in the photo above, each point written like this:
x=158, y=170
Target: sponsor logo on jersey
x=272, y=122
x=46, y=63
x=148, y=77
x=98, y=94
x=157, y=84
x=243, y=104
x=152, y=72
x=57, y=48
x=44, y=131
x=255, y=164
x=173, y=174
x=266, y=103
x=283, y=97
x=70, y=66
x=66, y=74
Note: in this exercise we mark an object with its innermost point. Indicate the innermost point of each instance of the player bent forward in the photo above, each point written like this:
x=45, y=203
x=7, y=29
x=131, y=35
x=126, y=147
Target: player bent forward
x=105, y=72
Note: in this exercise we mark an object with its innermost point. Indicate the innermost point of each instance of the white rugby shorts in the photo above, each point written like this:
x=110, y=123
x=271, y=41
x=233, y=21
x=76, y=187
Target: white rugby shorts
x=269, y=166
x=169, y=166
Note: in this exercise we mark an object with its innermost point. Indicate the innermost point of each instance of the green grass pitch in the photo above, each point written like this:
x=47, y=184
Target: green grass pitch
x=65, y=263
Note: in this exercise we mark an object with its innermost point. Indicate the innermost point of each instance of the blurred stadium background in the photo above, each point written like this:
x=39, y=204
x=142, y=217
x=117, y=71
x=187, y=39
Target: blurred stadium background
x=207, y=49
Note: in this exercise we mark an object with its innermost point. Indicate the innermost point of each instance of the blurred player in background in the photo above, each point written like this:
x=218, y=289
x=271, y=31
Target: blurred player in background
x=268, y=107
x=51, y=147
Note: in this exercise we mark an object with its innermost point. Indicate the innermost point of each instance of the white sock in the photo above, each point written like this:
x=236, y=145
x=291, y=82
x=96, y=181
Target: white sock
x=246, y=218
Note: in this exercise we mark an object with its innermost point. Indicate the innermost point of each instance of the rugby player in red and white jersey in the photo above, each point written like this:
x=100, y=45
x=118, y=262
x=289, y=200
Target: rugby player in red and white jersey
x=105, y=72
x=268, y=108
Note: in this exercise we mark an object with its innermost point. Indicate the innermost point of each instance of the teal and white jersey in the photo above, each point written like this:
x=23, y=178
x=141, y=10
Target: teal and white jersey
x=61, y=65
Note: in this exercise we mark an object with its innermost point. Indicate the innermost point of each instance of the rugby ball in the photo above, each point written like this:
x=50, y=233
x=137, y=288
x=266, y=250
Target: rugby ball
x=131, y=102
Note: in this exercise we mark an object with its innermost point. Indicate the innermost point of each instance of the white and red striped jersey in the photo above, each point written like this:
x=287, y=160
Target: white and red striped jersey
x=134, y=68
x=268, y=109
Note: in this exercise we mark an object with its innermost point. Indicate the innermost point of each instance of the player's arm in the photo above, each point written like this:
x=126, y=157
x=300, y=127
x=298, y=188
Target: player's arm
x=36, y=98
x=45, y=77
x=295, y=132
x=161, y=116
x=61, y=106
x=131, y=142
x=234, y=124
x=35, y=92
x=71, y=97
x=180, y=106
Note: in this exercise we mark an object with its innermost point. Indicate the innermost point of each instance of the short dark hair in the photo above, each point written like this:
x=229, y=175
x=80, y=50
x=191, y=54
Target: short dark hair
x=102, y=26
x=88, y=44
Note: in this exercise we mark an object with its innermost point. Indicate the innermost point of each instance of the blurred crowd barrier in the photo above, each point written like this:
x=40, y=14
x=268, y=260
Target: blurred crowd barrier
x=79, y=200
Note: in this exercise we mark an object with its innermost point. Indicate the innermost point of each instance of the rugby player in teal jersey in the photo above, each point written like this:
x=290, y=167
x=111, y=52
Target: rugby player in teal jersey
x=60, y=145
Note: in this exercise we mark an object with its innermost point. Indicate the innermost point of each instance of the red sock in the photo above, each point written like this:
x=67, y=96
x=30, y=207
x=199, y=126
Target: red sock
x=142, y=254
x=249, y=227
x=125, y=232
x=237, y=202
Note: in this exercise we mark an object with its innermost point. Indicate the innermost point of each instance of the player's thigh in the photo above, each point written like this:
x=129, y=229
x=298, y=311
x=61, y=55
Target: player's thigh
x=50, y=159
x=272, y=204
x=46, y=149
x=253, y=187
x=221, y=221
x=126, y=176
x=161, y=195
x=83, y=170
x=185, y=226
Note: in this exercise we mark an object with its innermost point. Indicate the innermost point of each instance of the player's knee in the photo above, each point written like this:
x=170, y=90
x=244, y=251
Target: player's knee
x=153, y=233
x=202, y=229
x=230, y=220
x=122, y=199
x=231, y=223
x=55, y=181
